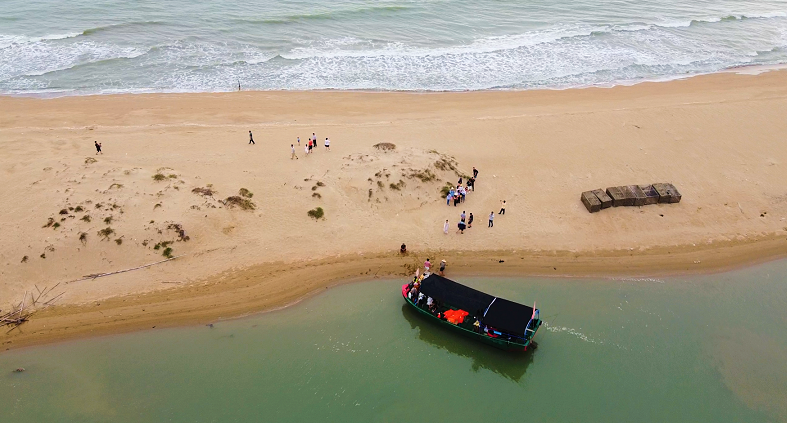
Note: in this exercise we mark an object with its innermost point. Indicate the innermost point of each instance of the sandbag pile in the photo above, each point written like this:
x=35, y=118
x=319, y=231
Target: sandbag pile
x=630, y=195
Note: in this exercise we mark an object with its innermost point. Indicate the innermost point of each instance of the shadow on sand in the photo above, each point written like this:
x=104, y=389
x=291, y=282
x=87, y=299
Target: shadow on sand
x=511, y=365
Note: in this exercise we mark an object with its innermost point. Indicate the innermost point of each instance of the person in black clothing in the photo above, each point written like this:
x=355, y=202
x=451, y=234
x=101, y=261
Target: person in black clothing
x=403, y=249
x=475, y=173
x=470, y=221
x=98, y=147
x=251, y=139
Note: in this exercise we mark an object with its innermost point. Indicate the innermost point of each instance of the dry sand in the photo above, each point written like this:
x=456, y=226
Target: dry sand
x=718, y=138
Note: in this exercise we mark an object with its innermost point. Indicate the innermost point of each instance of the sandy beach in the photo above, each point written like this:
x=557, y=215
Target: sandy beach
x=718, y=138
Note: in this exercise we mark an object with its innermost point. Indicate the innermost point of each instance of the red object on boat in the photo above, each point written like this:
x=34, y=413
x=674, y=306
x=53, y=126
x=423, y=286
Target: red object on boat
x=455, y=316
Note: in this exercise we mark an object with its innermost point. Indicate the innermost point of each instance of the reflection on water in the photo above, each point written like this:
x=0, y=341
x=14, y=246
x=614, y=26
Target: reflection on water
x=510, y=364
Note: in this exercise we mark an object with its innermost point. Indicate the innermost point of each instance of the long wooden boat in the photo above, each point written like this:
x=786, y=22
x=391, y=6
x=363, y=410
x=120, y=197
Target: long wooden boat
x=495, y=321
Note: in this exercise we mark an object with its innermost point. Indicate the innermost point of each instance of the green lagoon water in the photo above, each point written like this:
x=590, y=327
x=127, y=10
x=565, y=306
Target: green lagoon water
x=688, y=349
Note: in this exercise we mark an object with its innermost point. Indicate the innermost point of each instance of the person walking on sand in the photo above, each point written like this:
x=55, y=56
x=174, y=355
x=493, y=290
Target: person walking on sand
x=305, y=150
x=299, y=142
x=461, y=227
x=463, y=216
x=310, y=146
x=98, y=147
x=470, y=221
x=314, y=140
x=442, y=267
x=491, y=219
x=446, y=226
x=327, y=144
x=427, y=264
x=475, y=173
x=502, y=207
x=294, y=156
x=251, y=139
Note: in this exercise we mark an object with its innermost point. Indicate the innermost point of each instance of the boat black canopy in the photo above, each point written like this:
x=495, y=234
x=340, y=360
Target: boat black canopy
x=501, y=314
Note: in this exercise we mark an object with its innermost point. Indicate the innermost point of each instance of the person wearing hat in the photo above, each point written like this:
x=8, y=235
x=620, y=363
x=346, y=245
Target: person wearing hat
x=442, y=267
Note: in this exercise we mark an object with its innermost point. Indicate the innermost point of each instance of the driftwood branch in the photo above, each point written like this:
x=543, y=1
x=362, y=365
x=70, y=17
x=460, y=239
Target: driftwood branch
x=101, y=275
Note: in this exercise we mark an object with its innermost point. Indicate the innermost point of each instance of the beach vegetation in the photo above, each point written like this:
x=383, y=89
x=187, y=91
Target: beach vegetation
x=320, y=184
x=156, y=206
x=243, y=192
x=86, y=218
x=172, y=176
x=119, y=241
x=385, y=146
x=380, y=184
x=314, y=188
x=43, y=255
x=446, y=163
x=424, y=175
x=99, y=205
x=162, y=244
x=90, y=160
x=116, y=186
x=78, y=209
x=159, y=177
x=207, y=192
x=316, y=213
x=108, y=220
x=446, y=189
x=167, y=252
x=238, y=201
x=397, y=186
x=316, y=195
x=83, y=237
x=49, y=222
x=70, y=209
x=106, y=232
x=24, y=259
x=56, y=225
x=63, y=211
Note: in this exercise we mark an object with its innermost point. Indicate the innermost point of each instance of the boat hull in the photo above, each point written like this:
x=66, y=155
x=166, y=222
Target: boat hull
x=500, y=343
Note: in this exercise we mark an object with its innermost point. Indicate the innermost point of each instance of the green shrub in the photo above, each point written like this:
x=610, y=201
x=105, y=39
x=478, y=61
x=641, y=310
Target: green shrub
x=317, y=213
x=159, y=177
x=243, y=192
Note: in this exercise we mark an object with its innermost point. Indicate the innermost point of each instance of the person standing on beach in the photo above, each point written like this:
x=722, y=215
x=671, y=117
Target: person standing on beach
x=463, y=216
x=491, y=219
x=299, y=142
x=442, y=267
x=502, y=207
x=327, y=144
x=310, y=146
x=251, y=139
x=427, y=264
x=294, y=156
x=314, y=140
x=445, y=227
x=98, y=147
x=470, y=221
x=305, y=150
x=475, y=173
x=461, y=225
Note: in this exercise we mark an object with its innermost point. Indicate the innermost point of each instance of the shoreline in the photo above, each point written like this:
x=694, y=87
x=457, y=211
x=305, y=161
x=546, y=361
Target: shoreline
x=231, y=295
x=718, y=138
x=745, y=69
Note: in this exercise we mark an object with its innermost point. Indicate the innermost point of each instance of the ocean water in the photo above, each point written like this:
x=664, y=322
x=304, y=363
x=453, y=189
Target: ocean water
x=80, y=47
x=686, y=349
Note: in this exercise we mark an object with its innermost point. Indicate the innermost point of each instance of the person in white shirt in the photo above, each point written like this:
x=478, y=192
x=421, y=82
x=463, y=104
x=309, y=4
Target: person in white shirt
x=292, y=148
x=327, y=144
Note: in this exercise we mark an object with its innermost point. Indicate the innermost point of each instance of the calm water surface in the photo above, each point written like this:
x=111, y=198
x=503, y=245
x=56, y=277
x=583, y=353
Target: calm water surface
x=692, y=349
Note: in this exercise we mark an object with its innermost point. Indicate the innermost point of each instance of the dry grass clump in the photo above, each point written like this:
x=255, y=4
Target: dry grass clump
x=90, y=160
x=56, y=225
x=207, y=192
x=316, y=195
x=108, y=220
x=385, y=146
x=446, y=163
x=172, y=176
x=49, y=222
x=63, y=211
x=25, y=258
x=83, y=237
x=119, y=241
x=397, y=186
x=320, y=184
x=159, y=177
x=167, y=252
x=316, y=213
x=424, y=175
x=116, y=185
x=86, y=218
x=78, y=209
x=162, y=244
x=237, y=201
x=243, y=192
x=106, y=232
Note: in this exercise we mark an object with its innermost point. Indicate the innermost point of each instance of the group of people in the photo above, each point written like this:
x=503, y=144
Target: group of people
x=458, y=195
x=310, y=146
x=414, y=288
